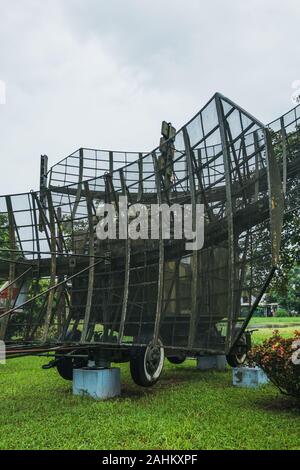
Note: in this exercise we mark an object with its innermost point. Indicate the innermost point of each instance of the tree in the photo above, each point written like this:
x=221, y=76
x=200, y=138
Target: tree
x=4, y=236
x=285, y=287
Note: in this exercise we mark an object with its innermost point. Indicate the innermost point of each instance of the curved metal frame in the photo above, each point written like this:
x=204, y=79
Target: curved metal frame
x=130, y=287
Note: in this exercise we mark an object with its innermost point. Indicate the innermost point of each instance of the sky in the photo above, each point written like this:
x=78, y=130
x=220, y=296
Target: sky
x=104, y=74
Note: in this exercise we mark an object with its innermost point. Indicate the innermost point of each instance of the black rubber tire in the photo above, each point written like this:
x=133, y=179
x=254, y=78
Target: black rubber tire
x=238, y=358
x=235, y=360
x=138, y=366
x=65, y=368
x=177, y=360
x=66, y=365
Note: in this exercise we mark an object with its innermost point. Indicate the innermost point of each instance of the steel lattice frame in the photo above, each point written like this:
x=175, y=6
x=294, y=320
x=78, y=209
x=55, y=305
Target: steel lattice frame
x=75, y=291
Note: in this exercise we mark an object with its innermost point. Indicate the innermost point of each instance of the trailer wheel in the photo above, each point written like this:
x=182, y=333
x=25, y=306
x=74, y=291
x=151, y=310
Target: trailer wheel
x=177, y=360
x=239, y=355
x=65, y=368
x=146, y=364
x=66, y=365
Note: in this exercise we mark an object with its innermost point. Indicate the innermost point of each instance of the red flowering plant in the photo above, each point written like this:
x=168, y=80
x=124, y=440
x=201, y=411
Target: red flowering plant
x=280, y=359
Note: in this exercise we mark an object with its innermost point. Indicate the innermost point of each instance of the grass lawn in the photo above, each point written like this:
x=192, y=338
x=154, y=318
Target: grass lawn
x=185, y=410
x=273, y=320
x=262, y=334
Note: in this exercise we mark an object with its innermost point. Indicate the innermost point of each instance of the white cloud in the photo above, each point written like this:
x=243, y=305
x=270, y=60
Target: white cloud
x=105, y=74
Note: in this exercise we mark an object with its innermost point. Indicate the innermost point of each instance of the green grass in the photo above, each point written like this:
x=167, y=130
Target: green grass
x=273, y=320
x=262, y=334
x=185, y=410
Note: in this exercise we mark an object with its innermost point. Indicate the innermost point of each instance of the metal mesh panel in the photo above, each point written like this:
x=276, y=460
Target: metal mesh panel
x=78, y=289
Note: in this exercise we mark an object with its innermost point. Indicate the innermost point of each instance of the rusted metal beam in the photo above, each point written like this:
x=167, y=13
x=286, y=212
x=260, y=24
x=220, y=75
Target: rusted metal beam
x=91, y=280
x=127, y=270
x=52, y=283
x=276, y=198
x=284, y=155
x=79, y=185
x=194, y=256
x=12, y=267
x=230, y=227
x=161, y=261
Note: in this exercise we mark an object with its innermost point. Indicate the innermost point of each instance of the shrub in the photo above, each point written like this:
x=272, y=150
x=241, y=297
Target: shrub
x=279, y=359
x=259, y=312
x=282, y=312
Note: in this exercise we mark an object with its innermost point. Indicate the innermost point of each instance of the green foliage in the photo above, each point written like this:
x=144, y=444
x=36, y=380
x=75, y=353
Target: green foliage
x=259, y=312
x=282, y=312
x=286, y=284
x=4, y=236
x=17, y=326
x=275, y=357
x=285, y=290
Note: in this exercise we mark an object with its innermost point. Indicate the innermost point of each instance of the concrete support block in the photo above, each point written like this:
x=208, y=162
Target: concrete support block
x=212, y=363
x=249, y=377
x=99, y=384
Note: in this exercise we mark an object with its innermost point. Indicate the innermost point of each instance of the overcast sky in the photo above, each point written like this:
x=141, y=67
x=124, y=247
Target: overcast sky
x=105, y=73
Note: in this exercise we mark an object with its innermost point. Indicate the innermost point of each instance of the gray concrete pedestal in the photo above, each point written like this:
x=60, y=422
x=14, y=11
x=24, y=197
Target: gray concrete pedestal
x=211, y=362
x=249, y=377
x=99, y=384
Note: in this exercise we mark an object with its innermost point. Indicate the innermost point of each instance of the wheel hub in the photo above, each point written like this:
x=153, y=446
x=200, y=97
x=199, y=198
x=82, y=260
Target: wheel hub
x=153, y=356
